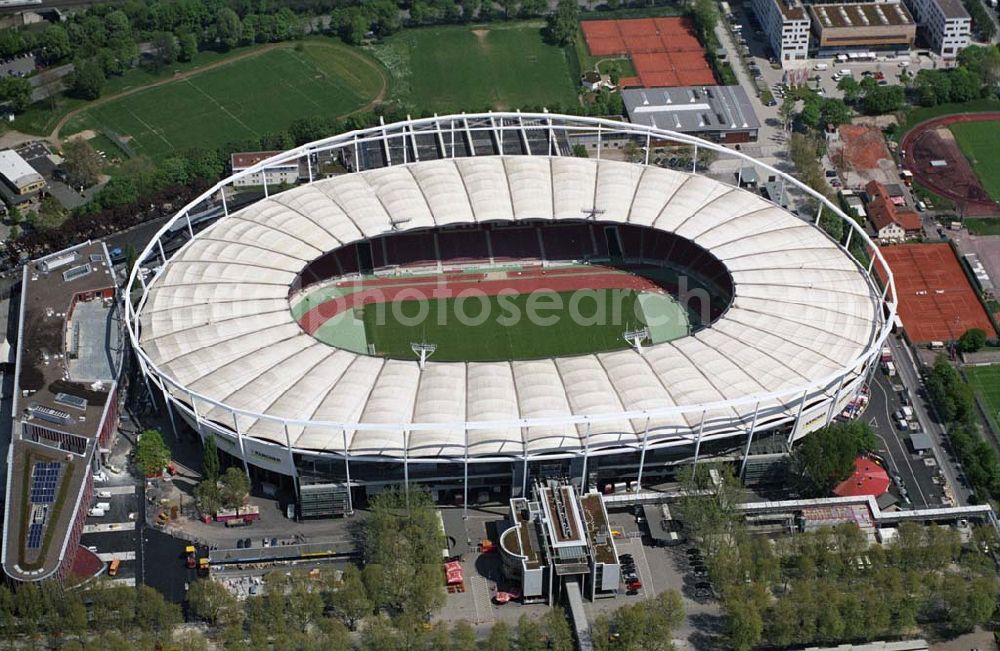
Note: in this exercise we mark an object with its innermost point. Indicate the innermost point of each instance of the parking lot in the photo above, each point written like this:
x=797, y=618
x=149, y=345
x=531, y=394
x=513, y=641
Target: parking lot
x=115, y=534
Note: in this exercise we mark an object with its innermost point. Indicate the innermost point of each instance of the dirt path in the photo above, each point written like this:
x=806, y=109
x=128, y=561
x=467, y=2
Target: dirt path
x=54, y=139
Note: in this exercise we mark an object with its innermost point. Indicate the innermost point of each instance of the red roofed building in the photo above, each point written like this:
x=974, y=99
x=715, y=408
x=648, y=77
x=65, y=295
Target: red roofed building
x=891, y=224
x=868, y=478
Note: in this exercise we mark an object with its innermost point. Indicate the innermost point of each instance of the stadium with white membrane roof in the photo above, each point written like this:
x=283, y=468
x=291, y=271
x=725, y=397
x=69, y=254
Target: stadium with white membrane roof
x=796, y=334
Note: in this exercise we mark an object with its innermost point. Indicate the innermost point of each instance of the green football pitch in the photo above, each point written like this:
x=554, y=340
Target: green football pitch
x=242, y=100
x=985, y=381
x=446, y=69
x=498, y=328
x=980, y=142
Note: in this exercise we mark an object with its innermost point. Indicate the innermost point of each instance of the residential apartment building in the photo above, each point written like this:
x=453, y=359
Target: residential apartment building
x=280, y=174
x=786, y=27
x=945, y=25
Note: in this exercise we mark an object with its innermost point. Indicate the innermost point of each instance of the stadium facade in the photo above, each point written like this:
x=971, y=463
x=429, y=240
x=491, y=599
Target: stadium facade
x=798, y=332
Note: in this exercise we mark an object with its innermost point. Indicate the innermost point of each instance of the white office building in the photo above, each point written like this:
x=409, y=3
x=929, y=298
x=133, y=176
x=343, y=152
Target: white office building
x=945, y=25
x=786, y=27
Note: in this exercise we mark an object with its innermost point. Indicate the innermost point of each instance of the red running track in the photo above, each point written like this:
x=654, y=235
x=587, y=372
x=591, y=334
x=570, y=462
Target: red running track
x=447, y=286
x=958, y=181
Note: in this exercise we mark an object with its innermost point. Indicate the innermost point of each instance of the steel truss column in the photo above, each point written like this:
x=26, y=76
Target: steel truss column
x=225, y=206
x=586, y=454
x=649, y=139
x=697, y=442
x=694, y=160
x=243, y=451
x=406, y=467
x=170, y=411
x=847, y=243
x=309, y=165
x=836, y=399
x=819, y=213
x=746, y=452
x=465, y=481
x=347, y=471
x=739, y=177
x=357, y=155
x=524, y=476
x=642, y=455
x=187, y=217
x=599, y=142
x=163, y=256
x=263, y=174
x=798, y=418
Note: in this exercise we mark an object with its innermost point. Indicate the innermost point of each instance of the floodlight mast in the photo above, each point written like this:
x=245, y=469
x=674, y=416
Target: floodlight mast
x=636, y=337
x=422, y=351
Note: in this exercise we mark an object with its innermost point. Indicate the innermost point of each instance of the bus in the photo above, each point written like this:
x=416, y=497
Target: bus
x=113, y=568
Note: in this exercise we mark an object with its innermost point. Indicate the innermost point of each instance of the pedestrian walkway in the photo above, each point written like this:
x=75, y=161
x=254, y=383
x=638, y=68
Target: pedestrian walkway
x=108, y=526
x=481, y=598
x=107, y=557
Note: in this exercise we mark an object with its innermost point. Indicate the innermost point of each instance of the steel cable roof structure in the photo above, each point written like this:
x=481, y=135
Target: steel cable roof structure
x=213, y=330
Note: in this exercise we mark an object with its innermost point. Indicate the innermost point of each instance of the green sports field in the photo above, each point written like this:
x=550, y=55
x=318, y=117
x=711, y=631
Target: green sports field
x=390, y=328
x=980, y=142
x=985, y=381
x=446, y=69
x=241, y=100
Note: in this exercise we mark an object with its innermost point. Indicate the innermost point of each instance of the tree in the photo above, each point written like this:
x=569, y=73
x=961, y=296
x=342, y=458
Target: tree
x=563, y=22
x=81, y=163
x=557, y=630
x=463, y=637
x=972, y=340
x=851, y=88
x=235, y=487
x=744, y=624
x=883, y=99
x=87, y=80
x=349, y=599
x=212, y=602
x=151, y=453
x=826, y=457
x=410, y=583
x=153, y=612
x=965, y=85
x=499, y=638
x=187, y=46
x=210, y=459
x=529, y=635
x=835, y=111
x=165, y=48
x=56, y=44
x=15, y=92
x=706, y=16
x=208, y=496
x=228, y=28
x=787, y=110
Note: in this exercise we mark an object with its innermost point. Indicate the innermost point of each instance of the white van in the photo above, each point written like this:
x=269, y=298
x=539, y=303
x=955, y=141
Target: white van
x=104, y=494
x=844, y=73
x=103, y=506
x=937, y=345
x=96, y=512
x=820, y=66
x=904, y=63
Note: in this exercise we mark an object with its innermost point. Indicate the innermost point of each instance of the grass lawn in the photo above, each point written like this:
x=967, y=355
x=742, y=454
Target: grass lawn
x=980, y=142
x=985, y=381
x=492, y=340
x=915, y=116
x=244, y=99
x=983, y=226
x=458, y=68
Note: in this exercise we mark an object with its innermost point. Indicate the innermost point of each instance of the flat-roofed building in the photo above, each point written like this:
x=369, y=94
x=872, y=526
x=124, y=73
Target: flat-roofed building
x=719, y=113
x=786, y=27
x=559, y=534
x=945, y=24
x=22, y=179
x=65, y=408
x=866, y=25
x=282, y=173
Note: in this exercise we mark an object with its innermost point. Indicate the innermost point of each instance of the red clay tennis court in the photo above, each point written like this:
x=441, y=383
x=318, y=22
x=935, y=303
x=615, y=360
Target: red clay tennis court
x=936, y=301
x=664, y=51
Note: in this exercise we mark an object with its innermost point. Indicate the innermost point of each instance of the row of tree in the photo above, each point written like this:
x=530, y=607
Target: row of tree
x=956, y=407
x=976, y=76
x=832, y=585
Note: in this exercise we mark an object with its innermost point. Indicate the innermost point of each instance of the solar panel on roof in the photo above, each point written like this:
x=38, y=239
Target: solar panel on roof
x=70, y=400
x=76, y=272
x=34, y=536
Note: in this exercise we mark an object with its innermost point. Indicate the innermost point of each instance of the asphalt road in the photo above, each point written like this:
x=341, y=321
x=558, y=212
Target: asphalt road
x=916, y=476
x=908, y=376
